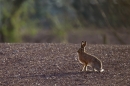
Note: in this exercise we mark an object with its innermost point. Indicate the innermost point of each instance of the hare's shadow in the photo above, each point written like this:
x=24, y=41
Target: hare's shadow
x=62, y=74
x=54, y=74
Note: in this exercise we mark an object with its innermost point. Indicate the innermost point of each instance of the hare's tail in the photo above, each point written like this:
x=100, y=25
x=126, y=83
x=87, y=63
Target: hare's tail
x=101, y=70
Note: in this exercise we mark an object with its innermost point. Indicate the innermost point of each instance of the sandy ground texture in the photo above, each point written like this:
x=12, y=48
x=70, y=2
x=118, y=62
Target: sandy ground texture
x=48, y=64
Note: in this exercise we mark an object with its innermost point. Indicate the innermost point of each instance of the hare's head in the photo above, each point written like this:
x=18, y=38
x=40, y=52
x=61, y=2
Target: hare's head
x=82, y=49
x=83, y=44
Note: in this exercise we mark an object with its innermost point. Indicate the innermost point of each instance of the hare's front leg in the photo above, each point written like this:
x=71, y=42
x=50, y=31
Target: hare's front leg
x=84, y=67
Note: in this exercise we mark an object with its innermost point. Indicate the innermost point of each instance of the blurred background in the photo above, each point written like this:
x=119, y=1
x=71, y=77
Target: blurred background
x=65, y=21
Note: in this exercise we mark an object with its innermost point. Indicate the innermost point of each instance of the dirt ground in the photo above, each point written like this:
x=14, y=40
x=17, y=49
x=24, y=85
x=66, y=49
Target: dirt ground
x=49, y=64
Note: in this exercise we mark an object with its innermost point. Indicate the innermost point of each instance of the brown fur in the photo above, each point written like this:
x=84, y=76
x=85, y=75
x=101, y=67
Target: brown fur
x=89, y=60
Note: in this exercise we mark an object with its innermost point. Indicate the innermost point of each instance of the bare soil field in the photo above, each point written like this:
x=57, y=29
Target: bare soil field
x=56, y=64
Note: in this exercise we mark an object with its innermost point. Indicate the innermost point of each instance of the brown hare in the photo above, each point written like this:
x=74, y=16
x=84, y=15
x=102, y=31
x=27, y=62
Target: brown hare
x=89, y=60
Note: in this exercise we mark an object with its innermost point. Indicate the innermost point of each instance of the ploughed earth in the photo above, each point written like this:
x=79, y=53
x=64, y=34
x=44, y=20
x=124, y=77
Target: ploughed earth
x=56, y=64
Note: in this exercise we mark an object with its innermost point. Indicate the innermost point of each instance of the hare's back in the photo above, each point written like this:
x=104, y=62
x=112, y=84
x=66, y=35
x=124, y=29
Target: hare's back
x=88, y=57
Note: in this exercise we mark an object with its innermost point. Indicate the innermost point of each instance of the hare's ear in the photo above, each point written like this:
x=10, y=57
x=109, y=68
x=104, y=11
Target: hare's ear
x=83, y=44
